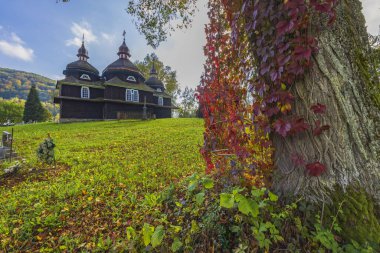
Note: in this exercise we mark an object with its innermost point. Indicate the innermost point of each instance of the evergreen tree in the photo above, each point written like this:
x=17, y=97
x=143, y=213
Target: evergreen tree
x=34, y=110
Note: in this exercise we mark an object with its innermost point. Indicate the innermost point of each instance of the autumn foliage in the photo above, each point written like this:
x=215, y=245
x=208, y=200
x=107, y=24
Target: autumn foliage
x=256, y=51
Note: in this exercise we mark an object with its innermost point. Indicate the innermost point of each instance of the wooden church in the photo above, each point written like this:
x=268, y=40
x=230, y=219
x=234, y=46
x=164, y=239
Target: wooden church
x=120, y=92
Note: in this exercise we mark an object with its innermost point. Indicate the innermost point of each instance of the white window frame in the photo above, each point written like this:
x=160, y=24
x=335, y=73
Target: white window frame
x=85, y=77
x=136, y=97
x=82, y=92
x=129, y=95
x=159, y=89
x=160, y=101
x=132, y=95
x=131, y=79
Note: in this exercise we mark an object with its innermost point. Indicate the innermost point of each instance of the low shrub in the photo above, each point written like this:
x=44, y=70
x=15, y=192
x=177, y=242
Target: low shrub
x=206, y=215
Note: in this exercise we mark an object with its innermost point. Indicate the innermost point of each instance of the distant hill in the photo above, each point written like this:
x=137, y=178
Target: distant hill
x=15, y=83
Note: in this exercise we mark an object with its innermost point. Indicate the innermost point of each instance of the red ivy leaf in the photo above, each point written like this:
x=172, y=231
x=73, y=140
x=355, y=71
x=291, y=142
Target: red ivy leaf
x=318, y=108
x=282, y=127
x=320, y=129
x=315, y=169
x=299, y=125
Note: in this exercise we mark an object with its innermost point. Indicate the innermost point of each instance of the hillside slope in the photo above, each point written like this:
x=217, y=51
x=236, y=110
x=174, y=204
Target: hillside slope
x=104, y=172
x=15, y=83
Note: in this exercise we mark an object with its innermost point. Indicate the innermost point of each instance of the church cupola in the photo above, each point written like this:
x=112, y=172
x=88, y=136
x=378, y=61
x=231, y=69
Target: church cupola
x=153, y=71
x=123, y=68
x=153, y=80
x=82, y=52
x=81, y=69
x=123, y=49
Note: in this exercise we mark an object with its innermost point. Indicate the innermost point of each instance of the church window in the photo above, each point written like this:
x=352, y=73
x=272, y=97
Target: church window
x=85, y=92
x=160, y=101
x=132, y=95
x=131, y=79
x=85, y=77
x=135, y=96
x=128, y=95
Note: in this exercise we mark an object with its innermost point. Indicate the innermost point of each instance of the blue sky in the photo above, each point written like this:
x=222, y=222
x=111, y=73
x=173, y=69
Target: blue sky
x=42, y=36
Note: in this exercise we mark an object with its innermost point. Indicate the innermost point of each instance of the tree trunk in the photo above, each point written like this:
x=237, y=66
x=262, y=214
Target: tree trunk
x=342, y=78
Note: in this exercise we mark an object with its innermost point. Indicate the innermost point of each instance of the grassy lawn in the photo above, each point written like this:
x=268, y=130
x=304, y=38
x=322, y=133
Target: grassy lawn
x=104, y=170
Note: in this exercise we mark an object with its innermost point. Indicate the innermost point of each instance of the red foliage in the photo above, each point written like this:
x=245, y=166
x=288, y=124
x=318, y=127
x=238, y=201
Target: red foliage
x=282, y=127
x=299, y=125
x=315, y=169
x=318, y=108
x=318, y=130
x=263, y=47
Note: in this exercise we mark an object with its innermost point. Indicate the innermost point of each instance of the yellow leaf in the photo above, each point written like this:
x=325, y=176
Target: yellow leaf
x=286, y=108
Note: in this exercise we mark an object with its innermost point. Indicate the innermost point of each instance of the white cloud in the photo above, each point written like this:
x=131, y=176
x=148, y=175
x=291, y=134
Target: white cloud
x=1, y=27
x=16, y=50
x=108, y=37
x=78, y=30
x=55, y=76
x=16, y=38
x=183, y=51
x=371, y=10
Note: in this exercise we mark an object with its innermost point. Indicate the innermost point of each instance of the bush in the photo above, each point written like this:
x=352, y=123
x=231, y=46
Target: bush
x=204, y=215
x=45, y=151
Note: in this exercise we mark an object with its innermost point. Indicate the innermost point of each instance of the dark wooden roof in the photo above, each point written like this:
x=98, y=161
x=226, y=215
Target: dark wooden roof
x=82, y=65
x=155, y=83
x=120, y=83
x=70, y=80
x=122, y=64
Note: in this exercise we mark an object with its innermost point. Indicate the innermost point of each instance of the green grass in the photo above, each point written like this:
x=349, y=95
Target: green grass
x=104, y=170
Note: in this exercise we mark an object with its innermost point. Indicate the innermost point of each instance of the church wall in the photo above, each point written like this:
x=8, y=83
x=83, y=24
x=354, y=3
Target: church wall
x=118, y=93
x=163, y=113
x=75, y=91
x=81, y=109
x=132, y=111
x=167, y=102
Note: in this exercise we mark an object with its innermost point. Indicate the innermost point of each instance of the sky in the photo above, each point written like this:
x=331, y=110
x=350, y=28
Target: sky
x=42, y=36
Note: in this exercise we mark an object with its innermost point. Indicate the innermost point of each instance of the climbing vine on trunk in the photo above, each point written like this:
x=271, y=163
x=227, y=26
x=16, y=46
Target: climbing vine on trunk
x=256, y=51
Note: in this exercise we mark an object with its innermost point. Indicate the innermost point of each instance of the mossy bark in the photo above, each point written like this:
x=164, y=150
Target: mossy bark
x=356, y=214
x=343, y=79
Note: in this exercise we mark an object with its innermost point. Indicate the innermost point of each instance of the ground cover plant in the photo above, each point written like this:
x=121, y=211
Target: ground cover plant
x=103, y=172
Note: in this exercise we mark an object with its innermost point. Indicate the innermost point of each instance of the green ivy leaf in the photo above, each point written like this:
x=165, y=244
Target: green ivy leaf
x=177, y=245
x=158, y=236
x=258, y=192
x=194, y=227
x=273, y=197
x=147, y=232
x=176, y=229
x=192, y=186
x=199, y=198
x=208, y=183
x=131, y=233
x=227, y=200
x=248, y=206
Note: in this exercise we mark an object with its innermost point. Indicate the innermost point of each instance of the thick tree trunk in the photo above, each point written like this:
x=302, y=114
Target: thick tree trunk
x=341, y=78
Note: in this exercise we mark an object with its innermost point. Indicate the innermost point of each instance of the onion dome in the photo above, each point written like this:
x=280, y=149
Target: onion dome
x=153, y=80
x=82, y=52
x=124, y=50
x=81, y=69
x=123, y=68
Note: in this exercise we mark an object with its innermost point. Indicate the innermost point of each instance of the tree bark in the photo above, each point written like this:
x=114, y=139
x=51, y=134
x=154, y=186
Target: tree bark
x=343, y=79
